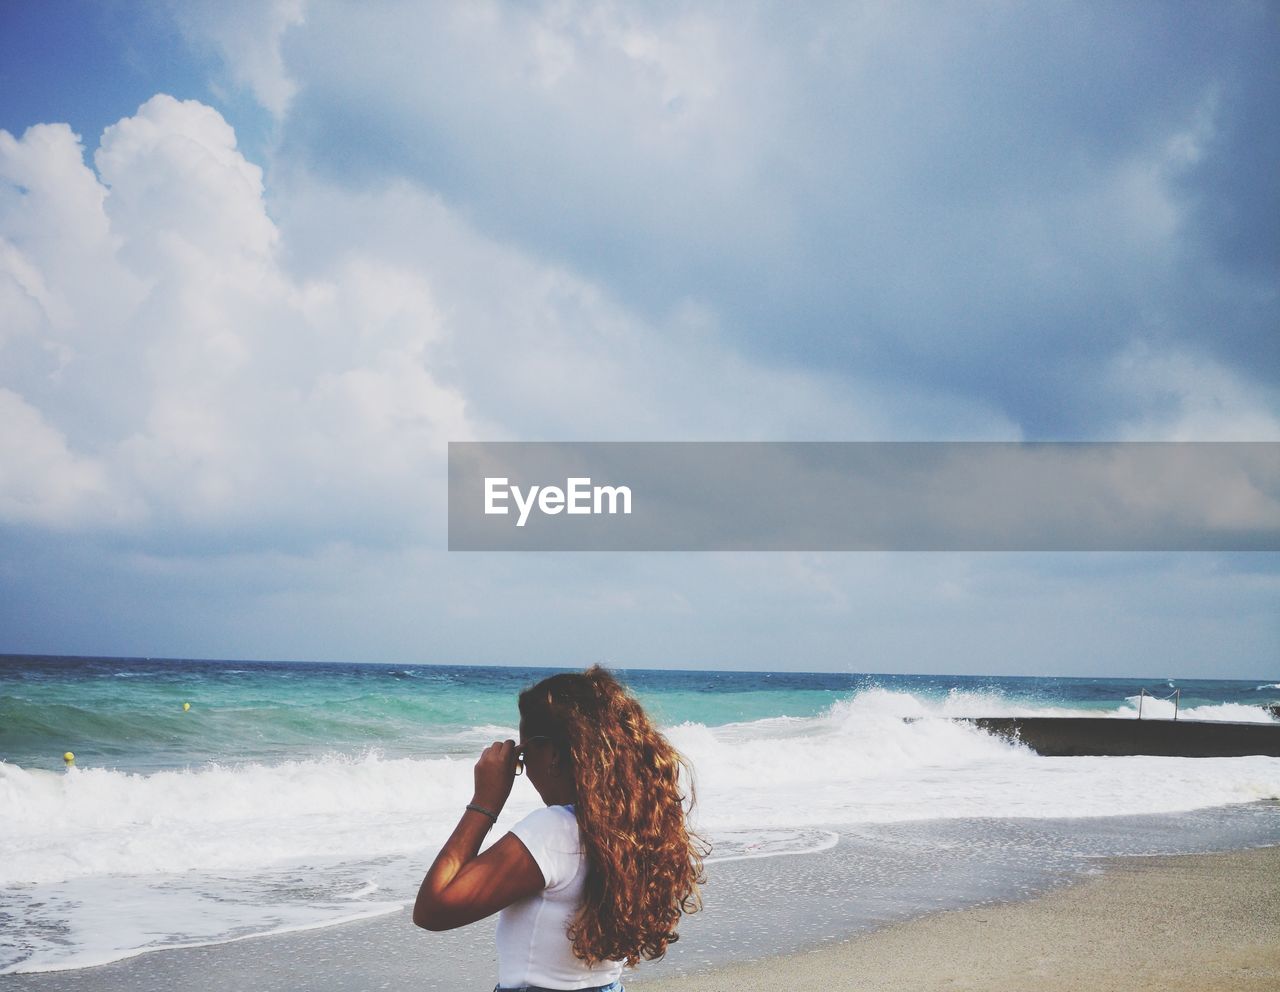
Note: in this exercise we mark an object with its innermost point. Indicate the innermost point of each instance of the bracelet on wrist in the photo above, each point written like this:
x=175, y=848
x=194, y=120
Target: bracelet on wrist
x=487, y=812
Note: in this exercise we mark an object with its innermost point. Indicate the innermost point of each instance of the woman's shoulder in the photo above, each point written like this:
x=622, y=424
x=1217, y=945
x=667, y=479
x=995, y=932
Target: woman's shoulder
x=550, y=819
x=550, y=834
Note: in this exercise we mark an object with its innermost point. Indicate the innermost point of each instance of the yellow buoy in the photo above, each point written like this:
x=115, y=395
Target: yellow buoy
x=185, y=707
x=69, y=758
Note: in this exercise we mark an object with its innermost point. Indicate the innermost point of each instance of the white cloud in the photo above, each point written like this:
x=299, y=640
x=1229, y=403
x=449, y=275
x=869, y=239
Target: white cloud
x=542, y=352
x=178, y=183
x=41, y=481
x=247, y=35
x=56, y=245
x=193, y=374
x=1181, y=396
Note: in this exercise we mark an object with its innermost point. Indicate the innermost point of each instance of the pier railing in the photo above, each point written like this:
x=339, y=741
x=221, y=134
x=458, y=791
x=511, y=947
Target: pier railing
x=1176, y=696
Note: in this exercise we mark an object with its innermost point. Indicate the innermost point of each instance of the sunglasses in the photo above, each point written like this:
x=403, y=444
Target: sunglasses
x=521, y=749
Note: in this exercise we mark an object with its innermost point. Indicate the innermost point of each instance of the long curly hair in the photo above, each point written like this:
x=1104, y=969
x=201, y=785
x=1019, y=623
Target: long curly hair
x=644, y=865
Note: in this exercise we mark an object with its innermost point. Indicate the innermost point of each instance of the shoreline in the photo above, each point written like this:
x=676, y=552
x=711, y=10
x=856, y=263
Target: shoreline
x=1174, y=923
x=1202, y=921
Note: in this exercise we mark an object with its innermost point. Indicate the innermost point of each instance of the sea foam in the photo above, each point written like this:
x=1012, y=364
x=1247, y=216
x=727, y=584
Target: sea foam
x=879, y=756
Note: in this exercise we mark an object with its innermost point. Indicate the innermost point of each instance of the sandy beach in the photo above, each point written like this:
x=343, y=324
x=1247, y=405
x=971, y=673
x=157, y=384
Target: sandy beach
x=1192, y=922
x=1201, y=922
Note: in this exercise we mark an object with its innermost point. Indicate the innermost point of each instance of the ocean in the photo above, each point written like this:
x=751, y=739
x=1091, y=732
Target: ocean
x=294, y=795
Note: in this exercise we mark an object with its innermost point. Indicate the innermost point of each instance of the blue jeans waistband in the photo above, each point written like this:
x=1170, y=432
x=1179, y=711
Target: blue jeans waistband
x=611, y=987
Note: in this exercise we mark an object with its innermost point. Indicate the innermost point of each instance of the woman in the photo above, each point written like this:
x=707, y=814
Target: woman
x=596, y=879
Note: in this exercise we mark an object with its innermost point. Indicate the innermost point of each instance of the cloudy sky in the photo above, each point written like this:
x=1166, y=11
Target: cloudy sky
x=260, y=262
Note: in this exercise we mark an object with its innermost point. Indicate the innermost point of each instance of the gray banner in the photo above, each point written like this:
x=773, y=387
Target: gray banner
x=864, y=496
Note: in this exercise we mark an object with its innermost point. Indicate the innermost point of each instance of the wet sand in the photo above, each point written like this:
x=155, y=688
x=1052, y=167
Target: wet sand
x=1203, y=922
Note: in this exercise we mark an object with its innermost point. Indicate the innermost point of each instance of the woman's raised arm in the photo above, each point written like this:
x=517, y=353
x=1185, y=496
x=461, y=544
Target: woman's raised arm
x=463, y=886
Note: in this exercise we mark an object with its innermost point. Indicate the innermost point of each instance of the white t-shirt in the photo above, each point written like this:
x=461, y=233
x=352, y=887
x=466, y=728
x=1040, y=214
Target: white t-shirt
x=533, y=939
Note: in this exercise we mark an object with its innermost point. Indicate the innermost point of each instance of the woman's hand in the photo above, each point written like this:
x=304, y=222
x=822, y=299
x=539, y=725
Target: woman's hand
x=495, y=773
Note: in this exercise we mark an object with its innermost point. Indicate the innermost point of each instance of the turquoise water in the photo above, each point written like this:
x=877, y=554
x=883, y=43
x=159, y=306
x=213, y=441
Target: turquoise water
x=127, y=713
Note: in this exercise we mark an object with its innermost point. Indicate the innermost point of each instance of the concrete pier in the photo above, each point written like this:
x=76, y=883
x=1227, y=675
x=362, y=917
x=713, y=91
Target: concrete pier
x=1074, y=736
